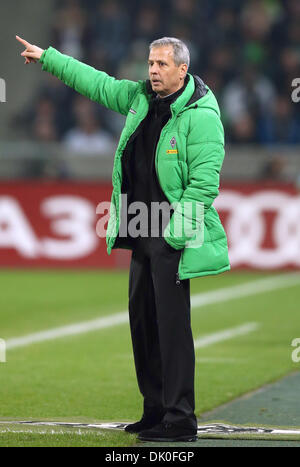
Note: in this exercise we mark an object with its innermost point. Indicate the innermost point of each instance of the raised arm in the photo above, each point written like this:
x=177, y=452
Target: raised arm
x=97, y=85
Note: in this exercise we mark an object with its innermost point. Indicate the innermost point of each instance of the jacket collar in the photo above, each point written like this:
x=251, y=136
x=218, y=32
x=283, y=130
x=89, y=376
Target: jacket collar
x=194, y=90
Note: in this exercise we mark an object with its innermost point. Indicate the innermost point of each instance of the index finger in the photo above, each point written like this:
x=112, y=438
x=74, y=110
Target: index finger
x=23, y=41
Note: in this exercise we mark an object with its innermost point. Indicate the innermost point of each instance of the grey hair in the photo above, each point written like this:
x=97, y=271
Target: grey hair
x=180, y=51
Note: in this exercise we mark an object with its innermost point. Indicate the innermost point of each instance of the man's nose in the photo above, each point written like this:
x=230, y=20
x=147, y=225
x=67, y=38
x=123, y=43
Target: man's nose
x=154, y=69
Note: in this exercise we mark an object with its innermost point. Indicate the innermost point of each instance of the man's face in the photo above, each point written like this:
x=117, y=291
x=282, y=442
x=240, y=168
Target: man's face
x=165, y=76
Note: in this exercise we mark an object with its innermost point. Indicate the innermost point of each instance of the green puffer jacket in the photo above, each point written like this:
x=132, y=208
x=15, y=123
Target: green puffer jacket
x=189, y=157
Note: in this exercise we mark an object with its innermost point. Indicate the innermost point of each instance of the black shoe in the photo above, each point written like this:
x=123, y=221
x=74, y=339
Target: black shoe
x=146, y=422
x=168, y=432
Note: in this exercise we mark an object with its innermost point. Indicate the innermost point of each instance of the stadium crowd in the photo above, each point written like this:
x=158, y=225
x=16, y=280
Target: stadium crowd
x=247, y=52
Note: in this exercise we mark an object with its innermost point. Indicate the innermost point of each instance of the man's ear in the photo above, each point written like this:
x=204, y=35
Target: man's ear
x=183, y=70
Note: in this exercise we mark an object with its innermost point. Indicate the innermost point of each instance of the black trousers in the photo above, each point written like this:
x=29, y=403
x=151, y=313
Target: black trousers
x=163, y=347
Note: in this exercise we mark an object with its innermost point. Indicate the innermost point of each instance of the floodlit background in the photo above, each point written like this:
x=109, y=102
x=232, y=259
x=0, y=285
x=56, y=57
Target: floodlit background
x=56, y=158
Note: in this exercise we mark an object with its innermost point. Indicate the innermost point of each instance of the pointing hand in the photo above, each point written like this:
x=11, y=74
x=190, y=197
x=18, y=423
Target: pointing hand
x=32, y=52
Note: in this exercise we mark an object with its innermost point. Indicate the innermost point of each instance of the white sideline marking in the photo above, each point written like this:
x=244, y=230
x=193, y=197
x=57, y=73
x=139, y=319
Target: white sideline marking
x=52, y=432
x=197, y=301
x=206, y=430
x=209, y=339
x=242, y=290
x=70, y=330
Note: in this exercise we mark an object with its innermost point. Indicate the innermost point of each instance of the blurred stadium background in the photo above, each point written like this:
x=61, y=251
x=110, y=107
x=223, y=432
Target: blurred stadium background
x=56, y=158
x=57, y=146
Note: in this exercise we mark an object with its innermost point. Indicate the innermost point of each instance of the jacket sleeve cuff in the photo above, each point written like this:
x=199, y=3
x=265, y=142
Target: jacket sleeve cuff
x=46, y=56
x=42, y=57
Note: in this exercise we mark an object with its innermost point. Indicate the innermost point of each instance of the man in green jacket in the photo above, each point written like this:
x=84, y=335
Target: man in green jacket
x=169, y=157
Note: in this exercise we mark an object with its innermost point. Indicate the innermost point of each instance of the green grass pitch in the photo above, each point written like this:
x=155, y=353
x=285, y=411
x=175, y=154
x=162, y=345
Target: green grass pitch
x=90, y=377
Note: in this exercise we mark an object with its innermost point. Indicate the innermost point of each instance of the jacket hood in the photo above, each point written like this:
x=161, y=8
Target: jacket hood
x=202, y=96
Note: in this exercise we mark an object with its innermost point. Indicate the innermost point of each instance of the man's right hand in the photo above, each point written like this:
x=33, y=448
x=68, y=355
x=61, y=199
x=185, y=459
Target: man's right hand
x=32, y=52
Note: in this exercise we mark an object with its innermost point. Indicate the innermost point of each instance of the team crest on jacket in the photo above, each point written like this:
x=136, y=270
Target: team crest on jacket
x=173, y=142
